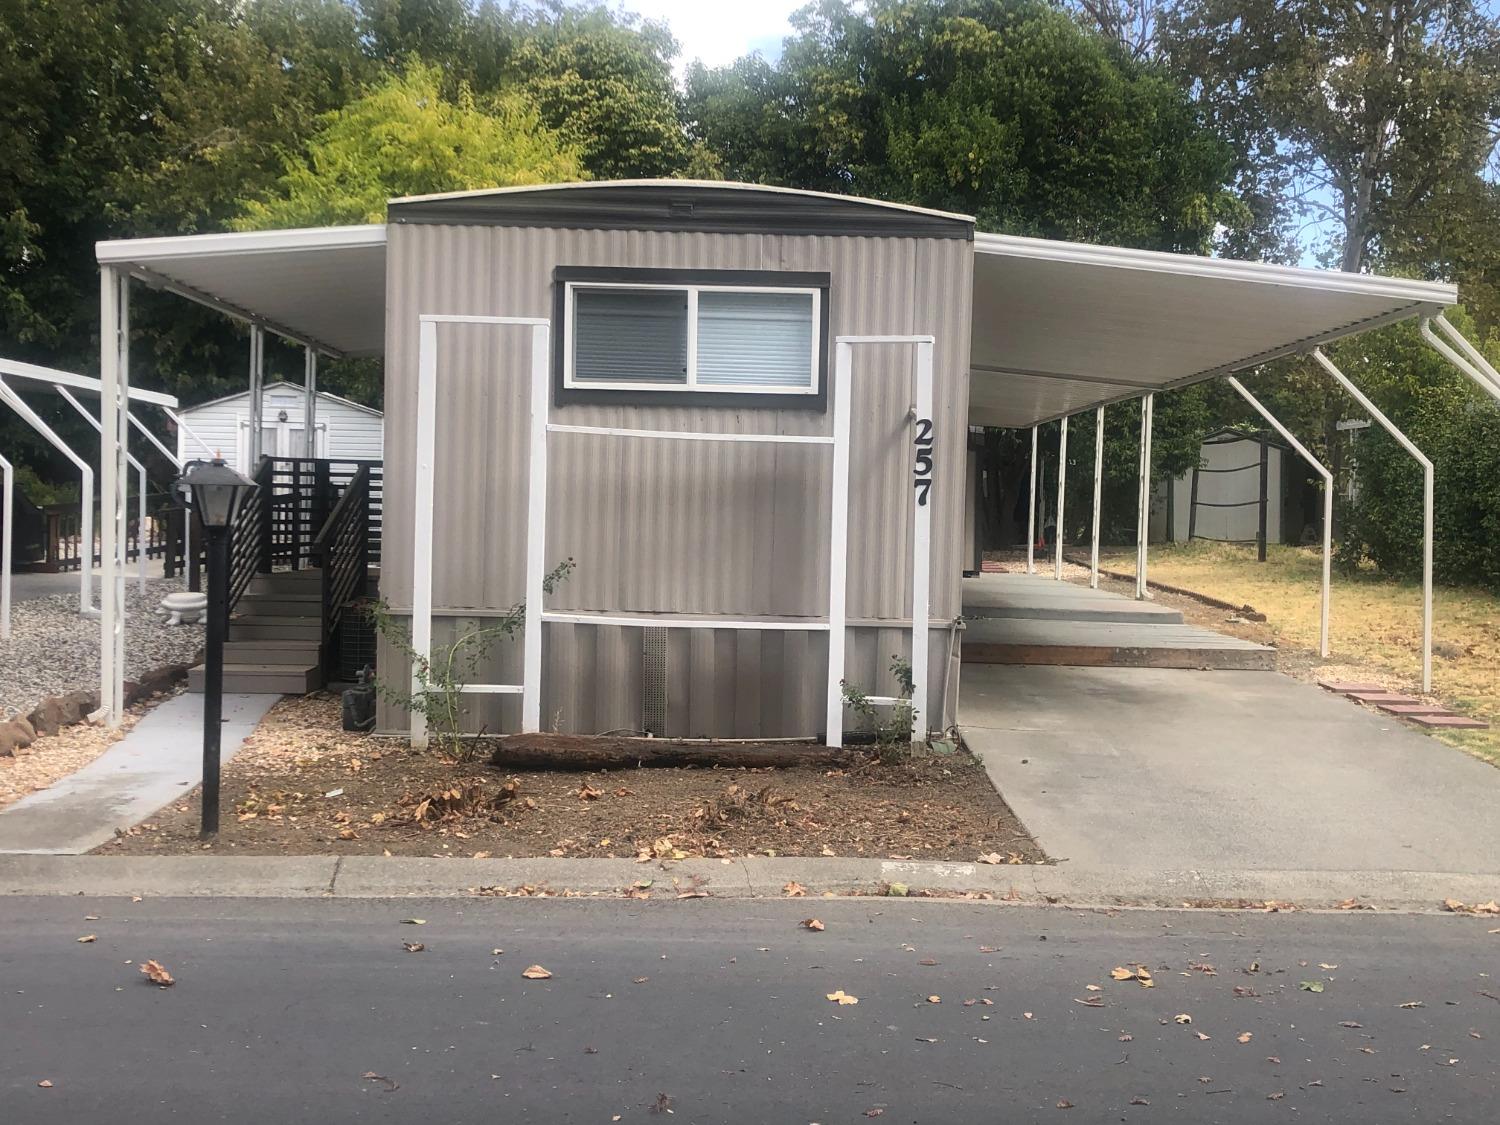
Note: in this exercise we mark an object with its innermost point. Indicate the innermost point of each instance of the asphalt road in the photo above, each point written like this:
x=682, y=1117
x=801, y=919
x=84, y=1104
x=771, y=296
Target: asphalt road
x=283, y=1011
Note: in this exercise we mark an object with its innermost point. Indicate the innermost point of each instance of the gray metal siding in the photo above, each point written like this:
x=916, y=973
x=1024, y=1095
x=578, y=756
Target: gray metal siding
x=667, y=526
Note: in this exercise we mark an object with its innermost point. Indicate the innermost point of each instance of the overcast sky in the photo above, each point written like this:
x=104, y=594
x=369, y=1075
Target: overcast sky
x=720, y=31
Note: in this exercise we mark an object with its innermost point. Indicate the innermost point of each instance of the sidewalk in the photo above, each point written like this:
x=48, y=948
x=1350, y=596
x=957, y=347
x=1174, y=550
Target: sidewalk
x=160, y=759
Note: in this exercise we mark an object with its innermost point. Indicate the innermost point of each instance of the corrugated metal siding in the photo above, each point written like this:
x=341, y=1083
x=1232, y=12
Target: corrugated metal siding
x=669, y=526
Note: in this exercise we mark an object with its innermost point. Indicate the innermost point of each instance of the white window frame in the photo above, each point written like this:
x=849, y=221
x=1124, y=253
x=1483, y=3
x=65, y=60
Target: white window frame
x=692, y=290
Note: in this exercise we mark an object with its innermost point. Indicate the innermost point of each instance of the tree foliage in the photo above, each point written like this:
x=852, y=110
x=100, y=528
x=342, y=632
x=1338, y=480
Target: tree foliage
x=405, y=138
x=1005, y=110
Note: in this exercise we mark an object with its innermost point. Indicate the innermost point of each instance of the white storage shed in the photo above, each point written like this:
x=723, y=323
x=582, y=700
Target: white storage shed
x=346, y=431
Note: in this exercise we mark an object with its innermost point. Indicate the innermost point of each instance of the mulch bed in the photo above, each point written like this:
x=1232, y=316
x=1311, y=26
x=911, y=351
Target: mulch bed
x=301, y=786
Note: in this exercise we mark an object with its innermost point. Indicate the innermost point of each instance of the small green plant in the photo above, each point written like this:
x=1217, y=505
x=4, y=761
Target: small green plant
x=893, y=732
x=442, y=676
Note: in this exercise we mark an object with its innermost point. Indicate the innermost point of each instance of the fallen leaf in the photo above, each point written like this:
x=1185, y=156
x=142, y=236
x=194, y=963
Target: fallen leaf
x=1245, y=1036
x=926, y=961
x=874, y=1111
x=842, y=998
x=1139, y=1101
x=1310, y=985
x=536, y=972
x=692, y=894
x=663, y=1104
x=794, y=890
x=1276, y=1097
x=1063, y=1103
x=896, y=890
x=1326, y=967
x=414, y=921
x=1127, y=1038
x=640, y=980
x=1182, y=1017
x=934, y=999
x=413, y=946
x=991, y=857
x=1089, y=1001
x=1092, y=988
x=45, y=1083
x=1027, y=1015
x=88, y=938
x=371, y=1076
x=587, y=792
x=1135, y=972
x=1414, y=1004
x=157, y=973
x=496, y=952
x=1350, y=1023
x=1202, y=1036
x=812, y=924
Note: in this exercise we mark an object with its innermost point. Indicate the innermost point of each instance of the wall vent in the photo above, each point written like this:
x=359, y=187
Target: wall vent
x=654, y=681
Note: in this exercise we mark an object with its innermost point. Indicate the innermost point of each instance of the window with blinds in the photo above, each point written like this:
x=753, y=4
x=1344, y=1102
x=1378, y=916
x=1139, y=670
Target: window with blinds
x=709, y=338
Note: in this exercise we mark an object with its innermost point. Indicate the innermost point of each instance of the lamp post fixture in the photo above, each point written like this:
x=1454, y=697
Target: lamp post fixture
x=218, y=491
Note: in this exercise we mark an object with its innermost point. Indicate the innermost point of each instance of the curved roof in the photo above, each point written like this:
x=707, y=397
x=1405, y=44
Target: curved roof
x=722, y=206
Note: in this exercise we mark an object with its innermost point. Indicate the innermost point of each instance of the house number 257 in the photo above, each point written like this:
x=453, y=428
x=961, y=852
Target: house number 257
x=922, y=470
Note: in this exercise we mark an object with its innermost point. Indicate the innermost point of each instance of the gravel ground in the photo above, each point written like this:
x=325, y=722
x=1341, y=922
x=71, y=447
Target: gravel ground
x=52, y=649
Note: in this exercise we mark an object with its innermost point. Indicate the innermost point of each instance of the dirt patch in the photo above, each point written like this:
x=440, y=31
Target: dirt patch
x=300, y=786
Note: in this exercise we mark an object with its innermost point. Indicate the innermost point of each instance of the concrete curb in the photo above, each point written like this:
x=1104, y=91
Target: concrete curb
x=393, y=877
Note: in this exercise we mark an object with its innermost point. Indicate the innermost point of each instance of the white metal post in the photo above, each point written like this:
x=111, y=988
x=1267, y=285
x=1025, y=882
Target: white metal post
x=1098, y=495
x=310, y=401
x=921, y=563
x=1062, y=485
x=422, y=489
x=7, y=546
x=121, y=496
x=257, y=394
x=1143, y=509
x=140, y=477
x=110, y=674
x=86, y=487
x=1476, y=366
x=1427, y=504
x=536, y=532
x=838, y=543
x=1031, y=512
x=1327, y=504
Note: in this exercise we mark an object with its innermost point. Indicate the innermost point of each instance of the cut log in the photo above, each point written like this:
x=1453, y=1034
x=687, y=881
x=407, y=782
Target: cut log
x=603, y=752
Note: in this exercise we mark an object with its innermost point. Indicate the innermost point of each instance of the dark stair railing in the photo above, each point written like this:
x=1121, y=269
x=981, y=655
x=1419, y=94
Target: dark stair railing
x=342, y=549
x=249, y=541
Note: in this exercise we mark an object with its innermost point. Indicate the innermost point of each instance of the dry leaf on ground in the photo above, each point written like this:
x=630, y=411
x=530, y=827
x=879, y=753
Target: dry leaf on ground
x=45, y=1083
x=1245, y=1036
x=157, y=973
x=413, y=946
x=1182, y=1017
x=1135, y=972
x=536, y=972
x=842, y=998
x=414, y=921
x=794, y=889
x=812, y=924
x=88, y=938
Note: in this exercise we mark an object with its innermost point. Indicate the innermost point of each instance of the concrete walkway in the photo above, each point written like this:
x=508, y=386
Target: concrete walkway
x=159, y=760
x=1224, y=771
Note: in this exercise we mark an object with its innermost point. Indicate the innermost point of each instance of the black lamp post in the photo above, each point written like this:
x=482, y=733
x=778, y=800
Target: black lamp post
x=218, y=491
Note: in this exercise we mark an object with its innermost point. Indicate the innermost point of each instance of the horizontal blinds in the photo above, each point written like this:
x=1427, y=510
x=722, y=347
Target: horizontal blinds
x=755, y=339
x=623, y=335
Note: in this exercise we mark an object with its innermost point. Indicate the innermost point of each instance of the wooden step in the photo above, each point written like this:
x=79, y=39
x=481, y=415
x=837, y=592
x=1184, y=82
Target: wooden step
x=270, y=628
x=281, y=605
x=286, y=582
x=262, y=679
x=272, y=652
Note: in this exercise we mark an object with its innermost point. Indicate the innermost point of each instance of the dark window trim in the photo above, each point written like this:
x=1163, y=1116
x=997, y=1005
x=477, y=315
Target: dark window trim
x=630, y=396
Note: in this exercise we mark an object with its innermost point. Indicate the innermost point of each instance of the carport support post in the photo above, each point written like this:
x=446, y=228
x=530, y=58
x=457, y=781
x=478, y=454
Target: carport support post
x=310, y=401
x=7, y=546
x=111, y=377
x=1098, y=495
x=536, y=532
x=421, y=578
x=1031, y=511
x=921, y=563
x=1327, y=502
x=1062, y=486
x=257, y=395
x=1406, y=443
x=140, y=500
x=86, y=486
x=1143, y=507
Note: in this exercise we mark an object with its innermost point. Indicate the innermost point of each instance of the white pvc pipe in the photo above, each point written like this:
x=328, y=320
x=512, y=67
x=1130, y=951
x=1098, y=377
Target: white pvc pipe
x=86, y=479
x=1031, y=511
x=1062, y=484
x=1427, y=505
x=7, y=546
x=1098, y=494
x=1327, y=504
x=1143, y=506
x=1476, y=367
x=141, y=490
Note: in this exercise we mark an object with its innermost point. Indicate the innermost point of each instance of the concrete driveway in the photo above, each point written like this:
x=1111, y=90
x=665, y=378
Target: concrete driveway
x=1223, y=771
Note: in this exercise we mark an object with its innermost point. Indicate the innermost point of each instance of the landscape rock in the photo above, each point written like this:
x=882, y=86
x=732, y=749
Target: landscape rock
x=49, y=716
x=15, y=735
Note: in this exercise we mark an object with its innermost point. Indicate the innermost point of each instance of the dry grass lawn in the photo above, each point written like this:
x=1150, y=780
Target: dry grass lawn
x=1376, y=624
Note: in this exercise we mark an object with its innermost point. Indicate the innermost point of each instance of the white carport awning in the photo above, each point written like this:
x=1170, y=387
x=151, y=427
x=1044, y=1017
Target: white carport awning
x=1061, y=327
x=322, y=286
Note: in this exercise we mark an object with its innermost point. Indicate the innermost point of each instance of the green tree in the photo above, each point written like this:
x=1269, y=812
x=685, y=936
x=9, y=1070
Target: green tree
x=1369, y=111
x=1006, y=110
x=405, y=138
